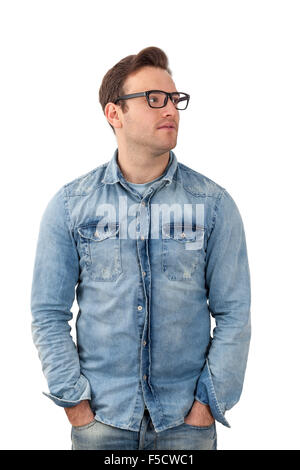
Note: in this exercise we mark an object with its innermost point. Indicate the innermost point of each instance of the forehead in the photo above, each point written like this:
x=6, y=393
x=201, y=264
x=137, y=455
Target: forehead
x=149, y=78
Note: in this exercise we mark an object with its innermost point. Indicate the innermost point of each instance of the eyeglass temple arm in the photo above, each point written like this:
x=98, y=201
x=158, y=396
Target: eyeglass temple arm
x=132, y=95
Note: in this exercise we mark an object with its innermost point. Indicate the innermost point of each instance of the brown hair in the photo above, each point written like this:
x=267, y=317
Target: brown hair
x=113, y=81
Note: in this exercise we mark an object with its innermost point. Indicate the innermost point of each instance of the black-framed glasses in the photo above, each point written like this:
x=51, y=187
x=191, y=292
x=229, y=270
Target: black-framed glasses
x=159, y=98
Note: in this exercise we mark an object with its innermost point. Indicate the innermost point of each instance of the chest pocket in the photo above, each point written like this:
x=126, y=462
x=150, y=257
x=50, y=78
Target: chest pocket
x=181, y=250
x=100, y=244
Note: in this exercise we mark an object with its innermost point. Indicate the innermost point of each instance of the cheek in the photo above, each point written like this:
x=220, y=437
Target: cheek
x=144, y=124
x=141, y=122
x=138, y=129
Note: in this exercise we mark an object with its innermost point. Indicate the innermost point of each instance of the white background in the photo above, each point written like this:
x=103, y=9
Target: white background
x=239, y=60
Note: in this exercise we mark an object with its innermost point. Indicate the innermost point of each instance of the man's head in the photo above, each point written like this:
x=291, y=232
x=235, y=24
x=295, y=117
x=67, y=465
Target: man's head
x=133, y=121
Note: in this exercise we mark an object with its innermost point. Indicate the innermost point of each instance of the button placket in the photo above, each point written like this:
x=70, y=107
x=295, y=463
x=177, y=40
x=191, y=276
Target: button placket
x=143, y=221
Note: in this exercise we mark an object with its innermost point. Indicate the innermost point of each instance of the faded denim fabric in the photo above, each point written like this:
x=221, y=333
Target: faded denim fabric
x=99, y=436
x=145, y=303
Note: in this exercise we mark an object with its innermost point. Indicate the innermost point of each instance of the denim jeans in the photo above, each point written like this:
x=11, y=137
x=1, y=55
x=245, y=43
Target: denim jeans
x=100, y=436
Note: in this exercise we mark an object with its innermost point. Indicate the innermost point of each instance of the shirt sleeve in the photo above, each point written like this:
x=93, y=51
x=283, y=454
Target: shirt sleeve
x=228, y=292
x=55, y=275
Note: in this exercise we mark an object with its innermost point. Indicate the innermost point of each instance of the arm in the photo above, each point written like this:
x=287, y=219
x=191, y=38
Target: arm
x=228, y=287
x=55, y=276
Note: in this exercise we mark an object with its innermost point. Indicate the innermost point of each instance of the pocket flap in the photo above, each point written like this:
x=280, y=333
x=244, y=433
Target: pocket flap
x=98, y=231
x=183, y=233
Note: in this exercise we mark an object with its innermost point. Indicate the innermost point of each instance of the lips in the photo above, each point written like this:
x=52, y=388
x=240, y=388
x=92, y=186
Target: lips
x=167, y=126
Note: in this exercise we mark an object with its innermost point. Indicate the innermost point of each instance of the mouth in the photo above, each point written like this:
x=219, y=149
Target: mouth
x=169, y=128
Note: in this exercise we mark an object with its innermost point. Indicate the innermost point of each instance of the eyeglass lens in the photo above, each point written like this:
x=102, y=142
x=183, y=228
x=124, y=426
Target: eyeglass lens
x=157, y=100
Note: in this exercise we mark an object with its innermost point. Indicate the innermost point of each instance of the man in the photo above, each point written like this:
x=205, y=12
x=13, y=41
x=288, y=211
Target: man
x=153, y=249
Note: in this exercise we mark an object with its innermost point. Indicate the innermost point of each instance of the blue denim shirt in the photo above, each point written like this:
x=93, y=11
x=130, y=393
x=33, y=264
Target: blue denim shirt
x=143, y=329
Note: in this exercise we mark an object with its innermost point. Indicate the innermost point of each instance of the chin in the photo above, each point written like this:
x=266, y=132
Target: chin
x=172, y=145
x=163, y=147
x=169, y=144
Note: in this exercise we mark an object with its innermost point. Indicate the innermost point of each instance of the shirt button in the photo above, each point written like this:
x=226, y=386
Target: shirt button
x=140, y=307
x=143, y=203
x=142, y=237
x=144, y=343
x=145, y=377
x=183, y=234
x=144, y=274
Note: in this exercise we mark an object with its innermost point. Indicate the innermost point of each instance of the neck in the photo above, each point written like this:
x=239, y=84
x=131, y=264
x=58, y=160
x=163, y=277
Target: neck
x=142, y=166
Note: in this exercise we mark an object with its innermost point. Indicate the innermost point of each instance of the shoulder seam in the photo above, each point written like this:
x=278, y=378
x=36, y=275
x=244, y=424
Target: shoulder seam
x=69, y=224
x=91, y=172
x=216, y=208
x=66, y=207
x=217, y=186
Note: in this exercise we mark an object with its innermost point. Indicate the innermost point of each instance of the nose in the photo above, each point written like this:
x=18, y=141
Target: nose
x=169, y=109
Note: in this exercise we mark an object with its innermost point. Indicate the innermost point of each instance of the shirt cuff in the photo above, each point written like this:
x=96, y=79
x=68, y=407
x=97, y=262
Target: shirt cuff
x=81, y=391
x=205, y=394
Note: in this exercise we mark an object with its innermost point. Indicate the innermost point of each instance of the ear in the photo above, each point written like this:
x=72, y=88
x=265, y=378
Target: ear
x=112, y=113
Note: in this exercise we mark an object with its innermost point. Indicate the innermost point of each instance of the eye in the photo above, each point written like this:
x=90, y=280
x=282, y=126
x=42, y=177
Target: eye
x=176, y=99
x=156, y=99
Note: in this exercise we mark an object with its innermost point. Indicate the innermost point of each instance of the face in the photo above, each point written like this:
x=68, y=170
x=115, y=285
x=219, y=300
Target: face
x=139, y=125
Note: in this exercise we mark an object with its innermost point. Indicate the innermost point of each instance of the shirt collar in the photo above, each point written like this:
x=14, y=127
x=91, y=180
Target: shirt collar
x=113, y=172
